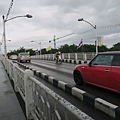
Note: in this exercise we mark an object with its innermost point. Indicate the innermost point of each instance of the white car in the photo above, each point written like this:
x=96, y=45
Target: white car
x=23, y=57
x=13, y=57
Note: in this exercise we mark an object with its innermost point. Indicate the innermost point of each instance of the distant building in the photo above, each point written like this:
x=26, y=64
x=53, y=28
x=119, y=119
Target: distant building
x=100, y=40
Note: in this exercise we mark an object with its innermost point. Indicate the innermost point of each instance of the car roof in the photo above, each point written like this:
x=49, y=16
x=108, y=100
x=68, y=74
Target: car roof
x=110, y=53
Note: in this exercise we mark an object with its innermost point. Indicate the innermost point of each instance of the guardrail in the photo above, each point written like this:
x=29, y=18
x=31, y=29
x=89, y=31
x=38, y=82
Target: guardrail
x=67, y=56
x=40, y=101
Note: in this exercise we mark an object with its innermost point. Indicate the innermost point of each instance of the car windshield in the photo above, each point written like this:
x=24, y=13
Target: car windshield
x=103, y=60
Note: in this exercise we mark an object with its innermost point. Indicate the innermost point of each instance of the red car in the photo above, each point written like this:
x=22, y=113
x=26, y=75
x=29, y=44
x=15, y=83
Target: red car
x=102, y=71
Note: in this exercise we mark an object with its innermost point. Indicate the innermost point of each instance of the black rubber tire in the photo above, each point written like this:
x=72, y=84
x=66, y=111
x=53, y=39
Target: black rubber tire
x=78, y=78
x=60, y=61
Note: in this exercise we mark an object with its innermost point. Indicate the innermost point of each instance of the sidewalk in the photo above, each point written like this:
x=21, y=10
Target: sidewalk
x=9, y=106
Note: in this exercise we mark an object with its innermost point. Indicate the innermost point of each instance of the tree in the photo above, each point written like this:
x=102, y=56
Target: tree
x=21, y=49
x=87, y=48
x=30, y=51
x=73, y=48
x=116, y=47
x=103, y=48
x=70, y=49
x=64, y=49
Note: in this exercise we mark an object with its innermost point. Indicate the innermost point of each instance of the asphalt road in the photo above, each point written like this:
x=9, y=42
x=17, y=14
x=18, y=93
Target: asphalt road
x=63, y=72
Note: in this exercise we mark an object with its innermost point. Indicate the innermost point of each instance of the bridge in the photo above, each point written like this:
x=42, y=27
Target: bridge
x=42, y=102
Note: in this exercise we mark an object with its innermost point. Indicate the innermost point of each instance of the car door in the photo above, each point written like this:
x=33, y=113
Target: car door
x=100, y=70
x=115, y=83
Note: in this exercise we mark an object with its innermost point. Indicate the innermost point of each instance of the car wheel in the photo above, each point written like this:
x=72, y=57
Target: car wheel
x=78, y=78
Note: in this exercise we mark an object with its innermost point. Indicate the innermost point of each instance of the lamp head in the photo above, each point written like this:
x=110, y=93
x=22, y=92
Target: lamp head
x=3, y=17
x=9, y=40
x=29, y=16
x=81, y=19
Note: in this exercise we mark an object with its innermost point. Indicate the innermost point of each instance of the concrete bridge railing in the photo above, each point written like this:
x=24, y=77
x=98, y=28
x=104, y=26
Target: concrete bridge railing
x=67, y=56
x=40, y=101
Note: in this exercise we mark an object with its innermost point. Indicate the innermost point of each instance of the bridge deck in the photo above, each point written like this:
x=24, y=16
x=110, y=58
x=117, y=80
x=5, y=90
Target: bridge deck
x=9, y=105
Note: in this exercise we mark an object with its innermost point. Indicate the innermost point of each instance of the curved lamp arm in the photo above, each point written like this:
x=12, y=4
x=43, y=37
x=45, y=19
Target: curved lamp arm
x=28, y=16
x=81, y=19
x=36, y=42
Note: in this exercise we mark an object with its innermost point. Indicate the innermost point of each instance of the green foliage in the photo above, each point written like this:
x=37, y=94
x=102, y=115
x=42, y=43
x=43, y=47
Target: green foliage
x=87, y=48
x=69, y=49
x=103, y=48
x=116, y=47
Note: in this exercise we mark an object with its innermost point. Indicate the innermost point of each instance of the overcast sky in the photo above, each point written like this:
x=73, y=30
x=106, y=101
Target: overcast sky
x=59, y=18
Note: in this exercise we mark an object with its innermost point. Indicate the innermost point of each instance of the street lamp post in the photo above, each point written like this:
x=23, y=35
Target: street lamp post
x=0, y=48
x=4, y=36
x=54, y=39
x=0, y=45
x=6, y=20
x=39, y=45
x=81, y=19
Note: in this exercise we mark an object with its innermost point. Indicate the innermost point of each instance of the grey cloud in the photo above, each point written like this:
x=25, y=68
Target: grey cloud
x=59, y=17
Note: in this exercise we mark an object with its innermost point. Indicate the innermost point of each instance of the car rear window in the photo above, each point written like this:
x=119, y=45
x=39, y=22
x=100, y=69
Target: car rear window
x=116, y=60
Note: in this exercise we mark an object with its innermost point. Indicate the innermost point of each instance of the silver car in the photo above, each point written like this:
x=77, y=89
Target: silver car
x=13, y=57
x=24, y=57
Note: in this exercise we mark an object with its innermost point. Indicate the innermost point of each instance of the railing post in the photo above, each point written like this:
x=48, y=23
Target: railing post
x=68, y=56
x=10, y=69
x=85, y=57
x=76, y=56
x=5, y=64
x=28, y=93
x=53, y=57
x=63, y=56
x=49, y=57
x=45, y=57
x=15, y=79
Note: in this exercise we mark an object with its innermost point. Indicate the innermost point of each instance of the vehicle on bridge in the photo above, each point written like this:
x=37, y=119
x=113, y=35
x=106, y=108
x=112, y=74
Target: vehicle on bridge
x=59, y=59
x=102, y=71
x=13, y=57
x=23, y=57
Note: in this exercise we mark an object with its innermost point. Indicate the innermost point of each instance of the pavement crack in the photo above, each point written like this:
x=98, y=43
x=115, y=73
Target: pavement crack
x=8, y=92
x=5, y=81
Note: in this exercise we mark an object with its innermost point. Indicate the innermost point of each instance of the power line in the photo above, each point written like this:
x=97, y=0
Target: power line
x=102, y=27
x=65, y=36
x=10, y=7
x=109, y=26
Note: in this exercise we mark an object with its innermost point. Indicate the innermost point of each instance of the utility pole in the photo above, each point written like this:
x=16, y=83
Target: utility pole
x=4, y=36
x=54, y=42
